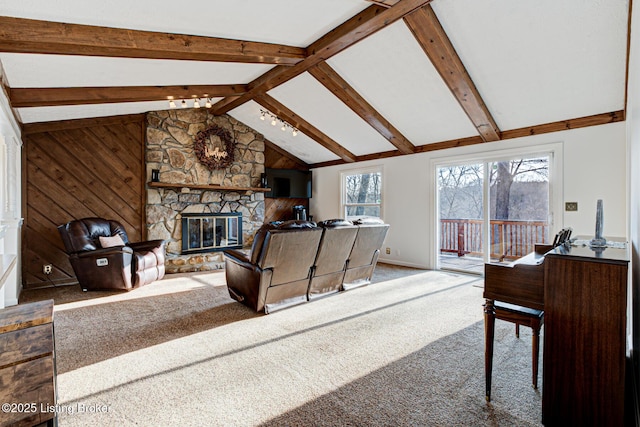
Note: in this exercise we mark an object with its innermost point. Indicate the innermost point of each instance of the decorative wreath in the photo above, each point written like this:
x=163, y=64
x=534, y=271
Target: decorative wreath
x=214, y=157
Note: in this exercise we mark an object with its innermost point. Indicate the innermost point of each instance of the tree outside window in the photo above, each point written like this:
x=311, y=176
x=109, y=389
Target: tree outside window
x=362, y=192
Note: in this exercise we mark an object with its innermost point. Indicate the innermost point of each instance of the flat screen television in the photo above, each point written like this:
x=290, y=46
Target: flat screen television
x=290, y=183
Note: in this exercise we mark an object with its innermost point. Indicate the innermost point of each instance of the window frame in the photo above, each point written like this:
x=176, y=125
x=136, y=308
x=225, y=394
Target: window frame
x=343, y=189
x=555, y=151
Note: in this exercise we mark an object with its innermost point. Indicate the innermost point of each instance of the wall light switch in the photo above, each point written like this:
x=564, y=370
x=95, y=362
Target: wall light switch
x=571, y=206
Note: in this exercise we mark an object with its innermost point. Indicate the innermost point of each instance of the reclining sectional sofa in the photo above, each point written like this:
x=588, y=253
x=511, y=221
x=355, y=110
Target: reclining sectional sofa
x=293, y=262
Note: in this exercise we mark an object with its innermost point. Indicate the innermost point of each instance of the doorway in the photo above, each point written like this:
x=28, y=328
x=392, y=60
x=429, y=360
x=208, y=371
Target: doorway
x=493, y=210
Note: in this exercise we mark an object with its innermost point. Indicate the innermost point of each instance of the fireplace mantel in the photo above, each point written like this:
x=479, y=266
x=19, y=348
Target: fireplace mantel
x=212, y=187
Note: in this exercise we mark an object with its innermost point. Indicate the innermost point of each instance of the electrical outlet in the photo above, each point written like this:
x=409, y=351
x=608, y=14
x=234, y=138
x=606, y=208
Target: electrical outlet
x=388, y=251
x=571, y=206
x=47, y=268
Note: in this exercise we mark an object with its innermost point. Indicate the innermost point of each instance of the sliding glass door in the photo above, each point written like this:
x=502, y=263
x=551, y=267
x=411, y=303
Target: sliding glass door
x=519, y=208
x=491, y=210
x=461, y=210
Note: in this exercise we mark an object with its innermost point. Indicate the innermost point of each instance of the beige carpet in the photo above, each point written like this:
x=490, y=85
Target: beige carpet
x=405, y=351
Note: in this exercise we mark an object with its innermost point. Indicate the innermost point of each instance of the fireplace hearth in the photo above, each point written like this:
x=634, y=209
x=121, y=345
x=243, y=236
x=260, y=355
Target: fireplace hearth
x=211, y=232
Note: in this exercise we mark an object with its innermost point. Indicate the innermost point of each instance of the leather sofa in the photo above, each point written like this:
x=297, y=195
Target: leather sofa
x=103, y=258
x=332, y=256
x=294, y=262
x=365, y=252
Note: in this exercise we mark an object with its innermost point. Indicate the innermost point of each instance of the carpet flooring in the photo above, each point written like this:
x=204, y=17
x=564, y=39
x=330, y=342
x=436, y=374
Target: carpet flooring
x=407, y=350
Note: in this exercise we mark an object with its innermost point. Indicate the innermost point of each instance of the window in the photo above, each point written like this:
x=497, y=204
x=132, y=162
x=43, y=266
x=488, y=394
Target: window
x=362, y=193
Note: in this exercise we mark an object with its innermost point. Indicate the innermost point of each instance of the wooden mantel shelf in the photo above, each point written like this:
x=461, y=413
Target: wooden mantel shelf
x=211, y=187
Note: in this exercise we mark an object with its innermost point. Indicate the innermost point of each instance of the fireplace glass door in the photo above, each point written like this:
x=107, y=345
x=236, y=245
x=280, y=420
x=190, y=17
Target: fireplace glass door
x=211, y=232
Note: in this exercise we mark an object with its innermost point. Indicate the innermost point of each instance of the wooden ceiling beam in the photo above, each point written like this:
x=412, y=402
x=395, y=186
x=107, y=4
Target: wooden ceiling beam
x=39, y=127
x=254, y=88
x=21, y=35
x=40, y=97
x=580, y=122
x=352, y=99
x=428, y=31
x=305, y=127
x=364, y=24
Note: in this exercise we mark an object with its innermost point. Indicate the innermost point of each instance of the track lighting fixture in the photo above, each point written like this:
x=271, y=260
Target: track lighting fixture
x=197, y=102
x=264, y=114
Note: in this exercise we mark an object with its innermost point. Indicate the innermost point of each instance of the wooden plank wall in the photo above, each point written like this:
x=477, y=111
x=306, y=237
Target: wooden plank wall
x=281, y=209
x=76, y=169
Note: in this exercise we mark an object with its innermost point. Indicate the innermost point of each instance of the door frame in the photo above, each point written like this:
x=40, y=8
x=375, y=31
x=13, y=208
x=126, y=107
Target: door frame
x=556, y=162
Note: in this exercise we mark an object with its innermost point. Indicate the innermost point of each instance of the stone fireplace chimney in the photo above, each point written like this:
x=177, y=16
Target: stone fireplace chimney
x=186, y=186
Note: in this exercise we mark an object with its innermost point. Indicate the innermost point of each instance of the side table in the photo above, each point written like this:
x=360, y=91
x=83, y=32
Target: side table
x=27, y=365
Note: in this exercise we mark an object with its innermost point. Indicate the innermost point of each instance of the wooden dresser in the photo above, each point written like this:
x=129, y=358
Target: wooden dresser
x=585, y=304
x=27, y=365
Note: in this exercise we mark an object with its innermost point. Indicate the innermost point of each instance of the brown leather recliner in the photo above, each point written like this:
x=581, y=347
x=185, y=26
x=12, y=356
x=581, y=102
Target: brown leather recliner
x=338, y=236
x=115, y=263
x=365, y=252
x=277, y=271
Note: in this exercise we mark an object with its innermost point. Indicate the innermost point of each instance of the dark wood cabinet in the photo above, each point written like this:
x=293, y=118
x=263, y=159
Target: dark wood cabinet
x=585, y=303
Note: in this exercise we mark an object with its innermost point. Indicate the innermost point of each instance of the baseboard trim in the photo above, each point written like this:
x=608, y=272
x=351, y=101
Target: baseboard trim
x=403, y=264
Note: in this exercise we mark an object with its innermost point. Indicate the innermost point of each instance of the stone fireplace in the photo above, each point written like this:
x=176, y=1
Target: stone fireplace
x=187, y=188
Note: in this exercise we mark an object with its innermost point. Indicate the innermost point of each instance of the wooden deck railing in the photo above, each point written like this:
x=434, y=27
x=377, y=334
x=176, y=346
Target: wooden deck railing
x=509, y=239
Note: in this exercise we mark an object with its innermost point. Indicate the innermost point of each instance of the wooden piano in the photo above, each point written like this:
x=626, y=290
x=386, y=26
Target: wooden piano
x=583, y=292
x=520, y=284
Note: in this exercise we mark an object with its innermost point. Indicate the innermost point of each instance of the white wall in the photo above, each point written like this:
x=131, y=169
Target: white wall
x=594, y=167
x=633, y=146
x=10, y=200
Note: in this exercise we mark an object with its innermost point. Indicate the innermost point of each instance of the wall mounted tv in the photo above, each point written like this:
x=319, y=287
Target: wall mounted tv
x=291, y=183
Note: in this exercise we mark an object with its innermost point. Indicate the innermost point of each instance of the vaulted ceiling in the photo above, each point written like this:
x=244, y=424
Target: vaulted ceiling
x=359, y=79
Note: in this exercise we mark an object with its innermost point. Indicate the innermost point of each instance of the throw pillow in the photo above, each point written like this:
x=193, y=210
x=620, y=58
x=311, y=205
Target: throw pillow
x=109, y=242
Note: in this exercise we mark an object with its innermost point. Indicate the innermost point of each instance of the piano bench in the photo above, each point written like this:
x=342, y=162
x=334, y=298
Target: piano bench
x=528, y=317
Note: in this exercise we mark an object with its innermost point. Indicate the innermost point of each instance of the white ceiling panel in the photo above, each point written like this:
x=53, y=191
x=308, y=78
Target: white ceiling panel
x=541, y=61
x=290, y=22
x=318, y=106
x=391, y=71
x=533, y=62
x=27, y=70
x=301, y=146
x=67, y=112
